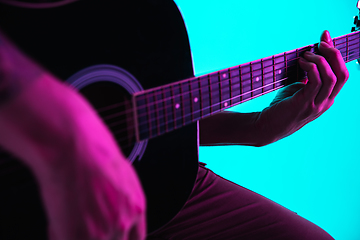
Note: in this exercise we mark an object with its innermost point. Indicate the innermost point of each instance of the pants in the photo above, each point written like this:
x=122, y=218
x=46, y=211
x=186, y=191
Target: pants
x=220, y=209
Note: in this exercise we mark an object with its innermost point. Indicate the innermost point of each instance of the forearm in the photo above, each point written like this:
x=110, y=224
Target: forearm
x=251, y=129
x=230, y=128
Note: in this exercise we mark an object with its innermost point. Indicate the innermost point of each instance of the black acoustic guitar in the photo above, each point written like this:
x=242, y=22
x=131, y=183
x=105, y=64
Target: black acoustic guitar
x=132, y=61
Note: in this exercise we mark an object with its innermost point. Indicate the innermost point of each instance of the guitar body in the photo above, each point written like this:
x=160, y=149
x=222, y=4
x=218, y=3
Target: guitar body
x=129, y=46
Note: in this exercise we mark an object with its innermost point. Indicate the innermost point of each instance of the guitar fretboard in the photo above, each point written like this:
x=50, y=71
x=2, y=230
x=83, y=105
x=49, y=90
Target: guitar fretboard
x=163, y=109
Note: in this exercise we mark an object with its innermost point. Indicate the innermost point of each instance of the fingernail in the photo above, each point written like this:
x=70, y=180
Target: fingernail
x=327, y=36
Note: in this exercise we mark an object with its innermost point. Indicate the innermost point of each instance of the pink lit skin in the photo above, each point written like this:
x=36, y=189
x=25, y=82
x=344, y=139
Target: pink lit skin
x=90, y=191
x=293, y=107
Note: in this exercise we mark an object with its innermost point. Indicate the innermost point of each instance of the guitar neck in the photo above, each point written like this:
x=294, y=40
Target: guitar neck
x=165, y=108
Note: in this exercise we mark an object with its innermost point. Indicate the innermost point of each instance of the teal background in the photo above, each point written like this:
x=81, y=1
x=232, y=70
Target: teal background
x=314, y=172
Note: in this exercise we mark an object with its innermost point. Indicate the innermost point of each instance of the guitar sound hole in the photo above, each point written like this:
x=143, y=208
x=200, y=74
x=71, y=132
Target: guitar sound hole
x=113, y=104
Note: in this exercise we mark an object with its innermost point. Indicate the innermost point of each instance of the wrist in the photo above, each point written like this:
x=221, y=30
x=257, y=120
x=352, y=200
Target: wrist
x=279, y=121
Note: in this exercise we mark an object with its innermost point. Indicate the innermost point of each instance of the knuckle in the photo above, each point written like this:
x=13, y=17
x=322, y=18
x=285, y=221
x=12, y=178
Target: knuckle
x=331, y=79
x=343, y=76
x=322, y=60
x=335, y=53
x=312, y=67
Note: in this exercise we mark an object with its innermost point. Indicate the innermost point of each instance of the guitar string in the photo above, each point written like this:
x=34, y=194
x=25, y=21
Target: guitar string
x=153, y=94
x=197, y=78
x=120, y=132
x=181, y=118
x=218, y=83
x=346, y=47
x=216, y=94
x=173, y=121
x=114, y=124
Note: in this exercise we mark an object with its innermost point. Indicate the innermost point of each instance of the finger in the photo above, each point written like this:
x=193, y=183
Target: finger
x=325, y=37
x=327, y=76
x=337, y=64
x=313, y=86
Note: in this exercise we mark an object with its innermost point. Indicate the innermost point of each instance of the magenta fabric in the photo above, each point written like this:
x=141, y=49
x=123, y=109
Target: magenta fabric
x=221, y=209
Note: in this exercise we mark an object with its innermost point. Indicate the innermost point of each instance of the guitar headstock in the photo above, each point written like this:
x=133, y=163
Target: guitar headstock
x=357, y=25
x=356, y=19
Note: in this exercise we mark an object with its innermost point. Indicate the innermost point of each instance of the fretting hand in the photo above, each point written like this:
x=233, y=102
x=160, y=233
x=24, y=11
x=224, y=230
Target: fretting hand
x=293, y=107
x=301, y=103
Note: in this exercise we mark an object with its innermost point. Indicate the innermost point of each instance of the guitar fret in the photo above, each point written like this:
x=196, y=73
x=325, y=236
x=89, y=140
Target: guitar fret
x=279, y=69
x=274, y=74
x=165, y=108
x=186, y=102
x=142, y=118
x=176, y=106
x=268, y=74
x=154, y=114
x=157, y=114
x=148, y=109
x=262, y=76
x=251, y=79
x=182, y=105
x=191, y=102
x=235, y=85
x=195, y=99
x=257, y=82
x=241, y=86
x=169, y=108
x=220, y=90
x=347, y=49
x=246, y=82
x=231, y=89
x=214, y=92
x=161, y=112
x=225, y=90
x=354, y=47
x=205, y=96
x=286, y=67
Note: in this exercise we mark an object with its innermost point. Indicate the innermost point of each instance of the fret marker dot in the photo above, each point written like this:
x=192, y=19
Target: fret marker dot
x=225, y=104
x=196, y=99
x=279, y=71
x=257, y=79
x=177, y=106
x=224, y=75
